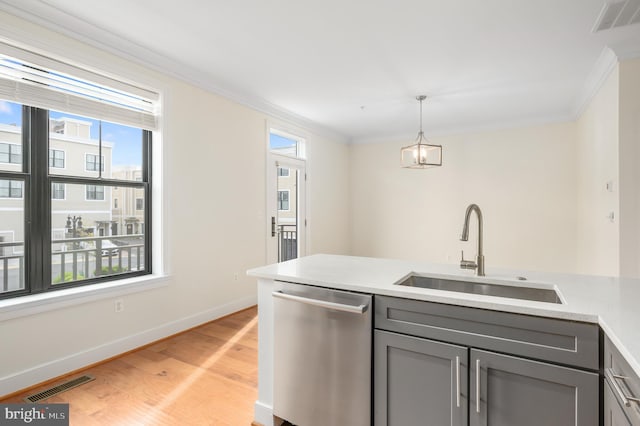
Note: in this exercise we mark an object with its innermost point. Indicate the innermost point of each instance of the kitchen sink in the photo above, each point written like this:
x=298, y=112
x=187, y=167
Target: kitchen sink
x=513, y=291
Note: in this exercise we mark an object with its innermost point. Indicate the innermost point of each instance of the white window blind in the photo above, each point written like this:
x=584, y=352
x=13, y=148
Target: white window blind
x=34, y=79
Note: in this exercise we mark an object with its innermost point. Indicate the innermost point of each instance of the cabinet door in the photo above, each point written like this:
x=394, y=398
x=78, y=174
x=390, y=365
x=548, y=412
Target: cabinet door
x=613, y=412
x=516, y=391
x=419, y=381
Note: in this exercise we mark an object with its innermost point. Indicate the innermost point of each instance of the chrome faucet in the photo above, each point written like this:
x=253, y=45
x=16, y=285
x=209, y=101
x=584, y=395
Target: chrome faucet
x=478, y=265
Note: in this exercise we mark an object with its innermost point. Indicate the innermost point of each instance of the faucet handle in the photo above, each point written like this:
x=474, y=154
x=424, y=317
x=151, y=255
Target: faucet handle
x=467, y=264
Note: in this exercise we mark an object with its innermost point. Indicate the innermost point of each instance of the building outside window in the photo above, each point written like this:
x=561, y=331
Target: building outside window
x=139, y=204
x=93, y=163
x=57, y=191
x=10, y=188
x=95, y=192
x=10, y=153
x=56, y=158
x=283, y=200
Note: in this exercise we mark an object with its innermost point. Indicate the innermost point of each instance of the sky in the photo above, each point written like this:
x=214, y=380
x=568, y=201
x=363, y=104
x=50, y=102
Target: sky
x=277, y=141
x=127, y=141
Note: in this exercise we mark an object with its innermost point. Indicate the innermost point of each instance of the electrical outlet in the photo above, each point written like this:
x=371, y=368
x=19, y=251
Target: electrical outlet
x=119, y=305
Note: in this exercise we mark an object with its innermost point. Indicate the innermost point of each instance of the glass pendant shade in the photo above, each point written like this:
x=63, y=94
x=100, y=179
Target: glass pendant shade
x=422, y=154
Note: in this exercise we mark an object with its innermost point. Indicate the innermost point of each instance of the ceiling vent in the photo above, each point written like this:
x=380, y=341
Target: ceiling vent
x=618, y=13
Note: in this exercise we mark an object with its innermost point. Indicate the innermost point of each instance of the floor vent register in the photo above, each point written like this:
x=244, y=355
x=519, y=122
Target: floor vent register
x=69, y=384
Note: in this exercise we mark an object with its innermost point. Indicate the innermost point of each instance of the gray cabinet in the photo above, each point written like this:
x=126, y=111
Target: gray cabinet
x=419, y=381
x=517, y=391
x=614, y=414
x=621, y=389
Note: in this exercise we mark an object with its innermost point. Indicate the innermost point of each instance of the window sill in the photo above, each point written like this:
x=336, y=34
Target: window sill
x=39, y=303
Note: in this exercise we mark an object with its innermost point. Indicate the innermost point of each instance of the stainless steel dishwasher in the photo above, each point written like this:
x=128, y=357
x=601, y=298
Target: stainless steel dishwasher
x=322, y=356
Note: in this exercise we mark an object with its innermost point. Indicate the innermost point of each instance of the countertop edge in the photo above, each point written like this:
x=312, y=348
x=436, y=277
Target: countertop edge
x=541, y=309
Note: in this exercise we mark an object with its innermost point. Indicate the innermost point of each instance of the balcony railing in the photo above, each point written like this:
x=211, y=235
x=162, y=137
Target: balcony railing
x=75, y=259
x=11, y=262
x=287, y=242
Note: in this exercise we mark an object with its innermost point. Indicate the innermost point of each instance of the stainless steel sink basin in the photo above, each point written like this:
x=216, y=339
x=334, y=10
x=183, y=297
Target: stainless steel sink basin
x=548, y=295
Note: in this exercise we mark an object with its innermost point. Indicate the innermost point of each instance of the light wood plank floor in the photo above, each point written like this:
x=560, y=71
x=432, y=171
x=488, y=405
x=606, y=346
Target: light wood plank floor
x=205, y=376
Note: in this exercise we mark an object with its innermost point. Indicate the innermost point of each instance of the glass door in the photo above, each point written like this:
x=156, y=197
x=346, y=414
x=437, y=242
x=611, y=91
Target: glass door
x=286, y=220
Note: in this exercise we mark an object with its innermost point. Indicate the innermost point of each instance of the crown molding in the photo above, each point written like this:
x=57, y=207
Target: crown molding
x=626, y=52
x=442, y=132
x=604, y=65
x=42, y=14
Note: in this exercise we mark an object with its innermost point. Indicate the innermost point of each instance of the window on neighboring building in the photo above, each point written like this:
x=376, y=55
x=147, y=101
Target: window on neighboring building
x=56, y=158
x=283, y=199
x=57, y=191
x=283, y=171
x=93, y=163
x=10, y=153
x=10, y=188
x=115, y=203
x=95, y=192
x=56, y=244
x=139, y=204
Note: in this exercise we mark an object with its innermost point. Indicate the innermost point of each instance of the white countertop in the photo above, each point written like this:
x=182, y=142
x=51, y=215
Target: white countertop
x=613, y=303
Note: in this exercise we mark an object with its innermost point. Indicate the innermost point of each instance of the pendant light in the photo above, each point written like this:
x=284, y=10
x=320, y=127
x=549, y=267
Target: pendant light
x=422, y=154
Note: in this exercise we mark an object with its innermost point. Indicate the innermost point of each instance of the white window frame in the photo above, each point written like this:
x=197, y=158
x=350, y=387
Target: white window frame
x=104, y=193
x=21, y=197
x=21, y=153
x=288, y=200
x=64, y=186
x=300, y=142
x=102, y=165
x=35, y=304
x=64, y=159
x=280, y=169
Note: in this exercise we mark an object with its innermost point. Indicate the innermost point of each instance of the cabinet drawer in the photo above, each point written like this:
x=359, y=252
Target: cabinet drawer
x=625, y=385
x=565, y=342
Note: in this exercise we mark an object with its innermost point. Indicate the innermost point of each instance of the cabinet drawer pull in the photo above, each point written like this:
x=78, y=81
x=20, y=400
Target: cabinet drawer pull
x=613, y=379
x=457, y=381
x=477, y=386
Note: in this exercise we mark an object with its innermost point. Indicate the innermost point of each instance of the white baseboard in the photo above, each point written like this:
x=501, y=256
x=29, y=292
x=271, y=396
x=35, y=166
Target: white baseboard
x=263, y=413
x=58, y=367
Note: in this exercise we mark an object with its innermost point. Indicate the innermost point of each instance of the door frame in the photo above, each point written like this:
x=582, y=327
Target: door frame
x=273, y=161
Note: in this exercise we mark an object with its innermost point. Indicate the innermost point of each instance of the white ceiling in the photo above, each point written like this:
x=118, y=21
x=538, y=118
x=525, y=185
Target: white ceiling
x=355, y=66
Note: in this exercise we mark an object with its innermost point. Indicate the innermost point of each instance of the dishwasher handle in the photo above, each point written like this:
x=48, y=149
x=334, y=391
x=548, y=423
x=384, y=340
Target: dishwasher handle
x=359, y=309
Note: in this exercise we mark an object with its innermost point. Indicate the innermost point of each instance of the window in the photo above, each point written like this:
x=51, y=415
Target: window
x=10, y=153
x=56, y=158
x=94, y=192
x=285, y=144
x=115, y=202
x=58, y=237
x=10, y=188
x=139, y=204
x=92, y=162
x=283, y=171
x=283, y=200
x=57, y=191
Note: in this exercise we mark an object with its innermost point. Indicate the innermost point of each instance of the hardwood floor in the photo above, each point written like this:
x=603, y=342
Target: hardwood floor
x=205, y=376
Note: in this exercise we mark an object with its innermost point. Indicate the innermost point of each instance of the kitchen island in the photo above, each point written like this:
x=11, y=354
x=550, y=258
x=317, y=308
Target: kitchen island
x=610, y=303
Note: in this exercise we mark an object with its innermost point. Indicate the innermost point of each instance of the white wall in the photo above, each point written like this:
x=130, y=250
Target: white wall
x=629, y=137
x=597, y=155
x=329, y=205
x=214, y=215
x=523, y=180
